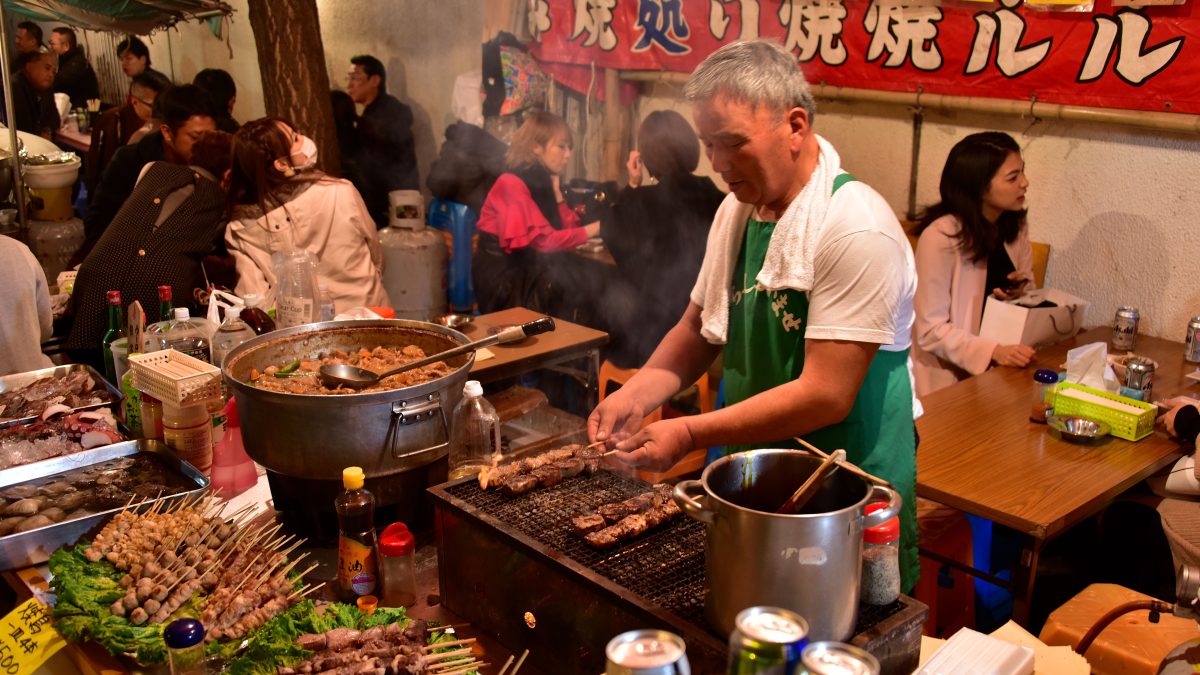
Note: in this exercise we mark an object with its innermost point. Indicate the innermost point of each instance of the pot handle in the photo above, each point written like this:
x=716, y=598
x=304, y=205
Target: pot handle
x=688, y=494
x=880, y=493
x=404, y=414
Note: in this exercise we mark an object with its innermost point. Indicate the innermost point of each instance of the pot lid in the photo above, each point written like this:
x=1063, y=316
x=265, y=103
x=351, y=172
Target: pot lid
x=884, y=533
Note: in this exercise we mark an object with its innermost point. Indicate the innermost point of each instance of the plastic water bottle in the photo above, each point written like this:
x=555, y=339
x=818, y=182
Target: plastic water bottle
x=297, y=298
x=233, y=472
x=187, y=336
x=233, y=332
x=327, y=308
x=475, y=437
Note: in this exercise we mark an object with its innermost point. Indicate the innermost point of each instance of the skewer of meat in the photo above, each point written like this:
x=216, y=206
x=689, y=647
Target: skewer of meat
x=632, y=526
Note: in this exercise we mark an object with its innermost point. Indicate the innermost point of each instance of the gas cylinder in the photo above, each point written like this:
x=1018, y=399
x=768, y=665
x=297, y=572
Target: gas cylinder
x=414, y=270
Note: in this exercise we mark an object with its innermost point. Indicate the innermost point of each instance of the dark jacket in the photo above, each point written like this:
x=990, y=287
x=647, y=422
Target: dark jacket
x=117, y=181
x=470, y=160
x=386, y=159
x=76, y=78
x=34, y=110
x=110, y=133
x=657, y=234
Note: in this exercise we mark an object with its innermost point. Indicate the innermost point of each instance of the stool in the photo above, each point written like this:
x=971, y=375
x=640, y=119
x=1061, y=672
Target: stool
x=949, y=593
x=457, y=223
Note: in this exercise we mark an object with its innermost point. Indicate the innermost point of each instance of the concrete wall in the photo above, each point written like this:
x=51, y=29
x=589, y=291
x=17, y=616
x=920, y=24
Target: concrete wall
x=1116, y=205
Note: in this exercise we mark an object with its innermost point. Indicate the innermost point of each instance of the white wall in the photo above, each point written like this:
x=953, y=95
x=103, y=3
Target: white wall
x=1117, y=206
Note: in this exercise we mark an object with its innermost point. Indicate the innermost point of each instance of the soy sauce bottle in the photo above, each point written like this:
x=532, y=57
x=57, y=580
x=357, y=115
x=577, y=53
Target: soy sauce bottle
x=358, y=566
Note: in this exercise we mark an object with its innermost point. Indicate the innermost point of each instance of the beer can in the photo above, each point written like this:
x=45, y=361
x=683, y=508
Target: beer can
x=1139, y=378
x=1191, y=343
x=836, y=658
x=766, y=641
x=1125, y=325
x=646, y=652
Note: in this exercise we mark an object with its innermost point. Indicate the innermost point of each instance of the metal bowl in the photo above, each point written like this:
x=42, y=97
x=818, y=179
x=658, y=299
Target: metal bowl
x=1078, y=429
x=454, y=320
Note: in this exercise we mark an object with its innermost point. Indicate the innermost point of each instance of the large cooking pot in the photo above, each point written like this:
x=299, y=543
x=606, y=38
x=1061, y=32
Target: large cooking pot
x=315, y=436
x=809, y=562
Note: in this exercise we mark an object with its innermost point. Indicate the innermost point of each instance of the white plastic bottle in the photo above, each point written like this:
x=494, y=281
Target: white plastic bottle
x=233, y=332
x=297, y=298
x=187, y=336
x=475, y=437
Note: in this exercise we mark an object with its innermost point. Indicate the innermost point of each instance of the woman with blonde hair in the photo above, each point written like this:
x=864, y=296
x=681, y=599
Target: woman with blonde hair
x=525, y=221
x=280, y=202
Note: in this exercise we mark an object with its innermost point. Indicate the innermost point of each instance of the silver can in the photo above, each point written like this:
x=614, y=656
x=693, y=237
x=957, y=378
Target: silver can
x=1125, y=325
x=1139, y=378
x=1191, y=342
x=646, y=652
x=836, y=658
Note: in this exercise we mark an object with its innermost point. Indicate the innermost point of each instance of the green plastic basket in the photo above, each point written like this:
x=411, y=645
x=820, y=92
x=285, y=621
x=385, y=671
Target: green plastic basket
x=1124, y=425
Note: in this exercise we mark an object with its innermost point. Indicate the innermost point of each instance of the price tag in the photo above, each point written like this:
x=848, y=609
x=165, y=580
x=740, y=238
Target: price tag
x=27, y=639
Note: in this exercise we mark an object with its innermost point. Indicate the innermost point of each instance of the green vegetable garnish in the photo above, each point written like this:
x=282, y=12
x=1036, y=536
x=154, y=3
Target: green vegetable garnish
x=288, y=369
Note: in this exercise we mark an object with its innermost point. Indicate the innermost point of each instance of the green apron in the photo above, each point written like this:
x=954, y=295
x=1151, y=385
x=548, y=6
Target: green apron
x=766, y=349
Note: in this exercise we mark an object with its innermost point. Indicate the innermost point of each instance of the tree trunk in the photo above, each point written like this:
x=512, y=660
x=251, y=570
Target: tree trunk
x=295, y=82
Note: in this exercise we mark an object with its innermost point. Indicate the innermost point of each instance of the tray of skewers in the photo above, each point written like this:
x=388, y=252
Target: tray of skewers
x=238, y=576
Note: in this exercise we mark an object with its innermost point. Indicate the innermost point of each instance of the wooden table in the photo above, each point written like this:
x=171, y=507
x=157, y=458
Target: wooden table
x=567, y=342
x=602, y=256
x=71, y=137
x=979, y=453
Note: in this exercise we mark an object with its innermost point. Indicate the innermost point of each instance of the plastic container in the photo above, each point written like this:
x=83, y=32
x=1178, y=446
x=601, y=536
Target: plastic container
x=1129, y=425
x=475, y=436
x=152, y=425
x=233, y=472
x=187, y=430
x=327, y=307
x=185, y=647
x=397, y=567
x=120, y=354
x=357, y=571
x=297, y=297
x=187, y=336
x=880, y=560
x=968, y=652
x=1043, y=383
x=175, y=377
x=256, y=317
x=232, y=332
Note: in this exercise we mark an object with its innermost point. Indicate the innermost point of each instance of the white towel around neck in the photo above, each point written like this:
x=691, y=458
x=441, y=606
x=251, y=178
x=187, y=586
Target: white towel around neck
x=790, y=254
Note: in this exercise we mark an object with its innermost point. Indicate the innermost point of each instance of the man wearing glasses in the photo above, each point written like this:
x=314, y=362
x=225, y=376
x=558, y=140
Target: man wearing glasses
x=386, y=159
x=119, y=127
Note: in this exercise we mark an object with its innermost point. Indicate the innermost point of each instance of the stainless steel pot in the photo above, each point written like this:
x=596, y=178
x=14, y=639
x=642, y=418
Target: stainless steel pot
x=809, y=562
x=314, y=436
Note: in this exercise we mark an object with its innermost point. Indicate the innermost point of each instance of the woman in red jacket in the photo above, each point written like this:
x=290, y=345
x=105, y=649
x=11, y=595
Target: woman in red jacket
x=525, y=222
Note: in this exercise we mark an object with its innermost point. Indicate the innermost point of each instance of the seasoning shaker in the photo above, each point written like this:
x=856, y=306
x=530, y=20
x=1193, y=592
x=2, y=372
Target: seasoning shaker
x=185, y=647
x=1043, y=379
x=881, y=560
x=397, y=548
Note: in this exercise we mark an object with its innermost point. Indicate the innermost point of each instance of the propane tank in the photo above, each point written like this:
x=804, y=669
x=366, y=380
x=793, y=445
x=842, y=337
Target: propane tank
x=414, y=270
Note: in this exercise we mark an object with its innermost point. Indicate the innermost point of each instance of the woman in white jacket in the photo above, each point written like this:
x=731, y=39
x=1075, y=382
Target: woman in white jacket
x=973, y=243
x=279, y=202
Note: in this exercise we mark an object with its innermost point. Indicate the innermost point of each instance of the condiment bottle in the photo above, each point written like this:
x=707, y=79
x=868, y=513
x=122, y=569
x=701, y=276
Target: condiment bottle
x=116, y=330
x=357, y=567
x=397, y=548
x=187, y=430
x=475, y=436
x=185, y=646
x=1043, y=379
x=233, y=472
x=152, y=423
x=881, y=560
x=255, y=317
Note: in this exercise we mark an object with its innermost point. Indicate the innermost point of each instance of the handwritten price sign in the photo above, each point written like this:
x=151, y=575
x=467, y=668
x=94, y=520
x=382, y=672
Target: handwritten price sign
x=27, y=639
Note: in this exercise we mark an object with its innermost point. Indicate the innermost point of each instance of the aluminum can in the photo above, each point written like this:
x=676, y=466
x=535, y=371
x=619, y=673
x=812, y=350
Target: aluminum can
x=836, y=658
x=1191, y=342
x=766, y=641
x=1139, y=378
x=1125, y=325
x=646, y=652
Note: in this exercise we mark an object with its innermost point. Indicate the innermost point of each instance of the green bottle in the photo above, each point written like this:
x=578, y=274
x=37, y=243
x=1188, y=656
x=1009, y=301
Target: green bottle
x=116, y=331
x=132, y=405
x=166, y=308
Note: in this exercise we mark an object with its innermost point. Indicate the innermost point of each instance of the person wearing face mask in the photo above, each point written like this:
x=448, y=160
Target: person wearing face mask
x=525, y=221
x=279, y=202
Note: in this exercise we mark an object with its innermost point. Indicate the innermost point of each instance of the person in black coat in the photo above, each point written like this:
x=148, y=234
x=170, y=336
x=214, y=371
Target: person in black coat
x=33, y=100
x=386, y=158
x=75, y=75
x=657, y=234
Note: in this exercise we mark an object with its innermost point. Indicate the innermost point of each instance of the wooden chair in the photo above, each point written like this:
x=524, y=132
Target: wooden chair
x=1041, y=258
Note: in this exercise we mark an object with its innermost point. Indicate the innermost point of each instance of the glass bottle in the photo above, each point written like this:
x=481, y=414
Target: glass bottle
x=185, y=646
x=475, y=436
x=254, y=316
x=397, y=567
x=166, y=314
x=357, y=567
x=116, y=330
x=880, y=560
x=1043, y=380
x=166, y=306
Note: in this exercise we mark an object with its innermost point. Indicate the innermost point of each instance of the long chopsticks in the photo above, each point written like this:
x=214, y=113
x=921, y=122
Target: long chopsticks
x=845, y=465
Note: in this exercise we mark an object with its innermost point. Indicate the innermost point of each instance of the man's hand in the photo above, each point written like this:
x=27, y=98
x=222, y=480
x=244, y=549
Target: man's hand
x=1013, y=356
x=657, y=447
x=616, y=418
x=634, y=167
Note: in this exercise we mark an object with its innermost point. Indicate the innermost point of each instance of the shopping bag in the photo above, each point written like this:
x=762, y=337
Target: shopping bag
x=1041, y=317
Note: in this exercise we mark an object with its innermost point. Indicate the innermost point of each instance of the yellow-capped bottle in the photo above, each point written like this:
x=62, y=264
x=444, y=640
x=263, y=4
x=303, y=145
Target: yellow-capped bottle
x=358, y=568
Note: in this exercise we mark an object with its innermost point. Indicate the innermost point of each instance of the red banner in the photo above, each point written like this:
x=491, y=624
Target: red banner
x=1113, y=57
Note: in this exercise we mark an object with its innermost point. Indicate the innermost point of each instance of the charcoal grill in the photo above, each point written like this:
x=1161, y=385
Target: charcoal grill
x=505, y=563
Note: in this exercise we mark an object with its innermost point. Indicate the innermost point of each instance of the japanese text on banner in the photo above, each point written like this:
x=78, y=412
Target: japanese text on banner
x=27, y=639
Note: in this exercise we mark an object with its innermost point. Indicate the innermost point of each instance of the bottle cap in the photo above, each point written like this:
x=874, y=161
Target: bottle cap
x=183, y=633
x=473, y=389
x=114, y=297
x=367, y=604
x=397, y=540
x=352, y=478
x=251, y=299
x=884, y=533
x=1045, y=376
x=164, y=293
x=182, y=314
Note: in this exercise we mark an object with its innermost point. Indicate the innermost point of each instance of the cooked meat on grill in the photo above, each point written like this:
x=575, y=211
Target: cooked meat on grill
x=547, y=469
x=588, y=523
x=548, y=476
x=569, y=467
x=661, y=509
x=519, y=485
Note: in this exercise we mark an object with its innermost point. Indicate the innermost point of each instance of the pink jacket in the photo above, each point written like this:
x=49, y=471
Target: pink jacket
x=949, y=306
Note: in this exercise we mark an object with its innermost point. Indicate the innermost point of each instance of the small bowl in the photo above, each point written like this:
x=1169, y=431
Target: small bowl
x=1078, y=429
x=454, y=320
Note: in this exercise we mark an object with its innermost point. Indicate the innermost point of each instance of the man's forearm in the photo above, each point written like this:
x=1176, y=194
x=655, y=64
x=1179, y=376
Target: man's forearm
x=774, y=415
x=680, y=359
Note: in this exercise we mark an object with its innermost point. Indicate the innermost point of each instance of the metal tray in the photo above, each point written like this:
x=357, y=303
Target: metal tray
x=35, y=546
x=18, y=380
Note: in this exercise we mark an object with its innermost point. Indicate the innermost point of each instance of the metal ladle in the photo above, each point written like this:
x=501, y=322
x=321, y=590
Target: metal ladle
x=806, y=491
x=343, y=375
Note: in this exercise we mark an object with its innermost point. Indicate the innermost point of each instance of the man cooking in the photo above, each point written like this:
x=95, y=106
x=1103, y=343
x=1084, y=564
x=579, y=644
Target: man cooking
x=807, y=281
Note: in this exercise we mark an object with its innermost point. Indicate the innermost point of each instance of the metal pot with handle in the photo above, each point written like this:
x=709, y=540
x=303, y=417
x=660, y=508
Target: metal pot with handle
x=808, y=562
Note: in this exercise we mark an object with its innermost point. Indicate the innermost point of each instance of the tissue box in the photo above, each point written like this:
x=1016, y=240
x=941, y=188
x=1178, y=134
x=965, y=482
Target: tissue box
x=1020, y=321
x=1105, y=407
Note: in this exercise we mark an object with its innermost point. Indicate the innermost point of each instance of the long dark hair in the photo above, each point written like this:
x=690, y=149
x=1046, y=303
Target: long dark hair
x=968, y=173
